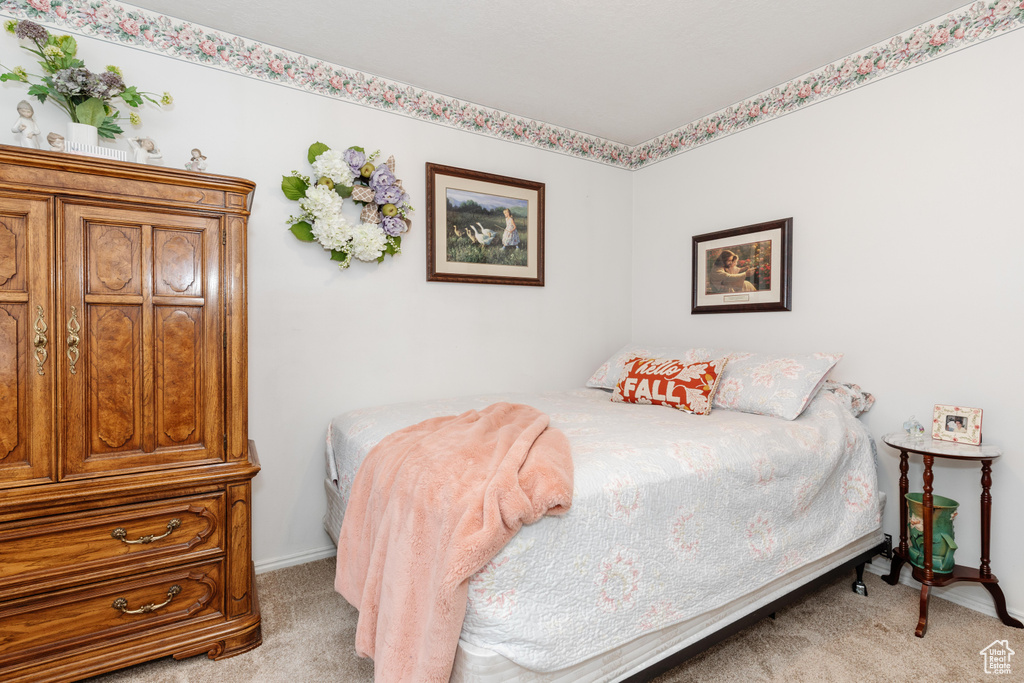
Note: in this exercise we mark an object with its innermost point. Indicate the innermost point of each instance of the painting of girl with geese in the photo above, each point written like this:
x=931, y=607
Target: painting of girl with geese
x=484, y=228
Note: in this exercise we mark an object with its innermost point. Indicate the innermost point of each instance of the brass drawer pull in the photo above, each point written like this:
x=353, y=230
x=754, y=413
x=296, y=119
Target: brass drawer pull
x=121, y=534
x=122, y=605
x=40, y=340
x=73, y=329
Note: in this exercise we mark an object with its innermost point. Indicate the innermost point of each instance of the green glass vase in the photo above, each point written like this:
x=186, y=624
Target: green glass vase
x=943, y=545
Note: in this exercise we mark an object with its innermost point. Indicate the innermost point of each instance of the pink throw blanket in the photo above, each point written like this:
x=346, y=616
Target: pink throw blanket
x=431, y=505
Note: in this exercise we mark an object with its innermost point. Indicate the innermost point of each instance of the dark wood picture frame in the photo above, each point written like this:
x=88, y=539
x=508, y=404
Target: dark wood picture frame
x=494, y=192
x=767, y=251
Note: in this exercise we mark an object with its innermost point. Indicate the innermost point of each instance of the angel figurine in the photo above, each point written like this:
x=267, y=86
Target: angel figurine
x=197, y=162
x=144, y=150
x=26, y=126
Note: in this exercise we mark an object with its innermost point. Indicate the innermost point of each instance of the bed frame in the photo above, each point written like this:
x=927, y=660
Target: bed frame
x=769, y=610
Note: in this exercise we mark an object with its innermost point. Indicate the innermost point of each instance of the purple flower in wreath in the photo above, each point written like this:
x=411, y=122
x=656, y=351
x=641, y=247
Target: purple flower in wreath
x=393, y=225
x=388, y=195
x=354, y=158
x=382, y=178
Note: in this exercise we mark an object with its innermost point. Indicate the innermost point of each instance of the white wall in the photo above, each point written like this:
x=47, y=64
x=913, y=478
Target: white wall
x=323, y=341
x=908, y=236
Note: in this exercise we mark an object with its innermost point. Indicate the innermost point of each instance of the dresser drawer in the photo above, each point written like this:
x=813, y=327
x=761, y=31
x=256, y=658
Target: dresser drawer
x=71, y=549
x=64, y=620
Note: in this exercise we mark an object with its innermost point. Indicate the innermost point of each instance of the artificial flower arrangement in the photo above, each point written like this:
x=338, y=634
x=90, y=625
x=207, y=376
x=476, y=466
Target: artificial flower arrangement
x=86, y=96
x=338, y=176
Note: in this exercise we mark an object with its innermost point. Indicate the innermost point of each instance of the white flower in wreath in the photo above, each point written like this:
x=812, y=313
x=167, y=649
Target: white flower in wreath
x=331, y=164
x=368, y=242
x=333, y=232
x=321, y=202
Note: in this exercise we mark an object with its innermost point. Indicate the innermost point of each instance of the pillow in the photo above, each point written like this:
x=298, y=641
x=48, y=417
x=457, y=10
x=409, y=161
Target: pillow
x=852, y=396
x=777, y=385
x=606, y=376
x=689, y=387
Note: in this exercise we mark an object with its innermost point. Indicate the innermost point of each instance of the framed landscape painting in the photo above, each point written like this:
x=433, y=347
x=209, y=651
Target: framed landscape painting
x=744, y=269
x=484, y=228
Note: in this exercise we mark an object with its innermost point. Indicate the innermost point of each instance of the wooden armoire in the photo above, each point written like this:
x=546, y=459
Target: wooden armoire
x=125, y=464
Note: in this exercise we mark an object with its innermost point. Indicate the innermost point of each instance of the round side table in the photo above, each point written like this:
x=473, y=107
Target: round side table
x=929, y=449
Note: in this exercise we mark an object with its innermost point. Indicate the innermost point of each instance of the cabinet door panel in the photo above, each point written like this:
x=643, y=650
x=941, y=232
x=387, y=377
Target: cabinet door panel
x=149, y=390
x=26, y=342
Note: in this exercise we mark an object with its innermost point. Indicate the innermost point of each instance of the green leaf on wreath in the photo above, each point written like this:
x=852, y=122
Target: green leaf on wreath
x=315, y=150
x=293, y=188
x=304, y=231
x=344, y=191
x=358, y=149
x=338, y=255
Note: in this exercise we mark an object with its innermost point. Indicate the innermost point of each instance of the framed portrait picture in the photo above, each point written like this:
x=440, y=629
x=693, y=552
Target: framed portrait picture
x=957, y=423
x=484, y=228
x=744, y=269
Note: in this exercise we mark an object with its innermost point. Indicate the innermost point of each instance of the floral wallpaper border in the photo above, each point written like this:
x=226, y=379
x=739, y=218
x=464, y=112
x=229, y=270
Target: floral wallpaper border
x=128, y=25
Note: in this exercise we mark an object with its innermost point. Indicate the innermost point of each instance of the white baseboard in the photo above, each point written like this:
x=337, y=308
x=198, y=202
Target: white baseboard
x=298, y=558
x=880, y=566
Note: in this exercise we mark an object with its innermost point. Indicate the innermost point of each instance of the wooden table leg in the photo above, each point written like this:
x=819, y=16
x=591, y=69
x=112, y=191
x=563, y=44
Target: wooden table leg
x=929, y=574
x=903, y=550
x=997, y=597
x=985, y=570
x=922, y=622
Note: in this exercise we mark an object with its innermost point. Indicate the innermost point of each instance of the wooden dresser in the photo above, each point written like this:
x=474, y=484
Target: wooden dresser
x=125, y=465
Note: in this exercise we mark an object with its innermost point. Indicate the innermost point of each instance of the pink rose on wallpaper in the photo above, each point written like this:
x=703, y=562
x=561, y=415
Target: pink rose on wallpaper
x=389, y=96
x=712, y=129
x=754, y=111
x=41, y=5
x=865, y=67
x=1003, y=8
x=187, y=38
x=337, y=82
x=61, y=11
x=518, y=130
x=148, y=34
x=553, y=139
x=805, y=91
x=437, y=109
x=224, y=55
x=208, y=47
x=817, y=89
x=256, y=57
x=940, y=37
x=917, y=41
x=276, y=65
x=103, y=14
x=880, y=65
x=130, y=26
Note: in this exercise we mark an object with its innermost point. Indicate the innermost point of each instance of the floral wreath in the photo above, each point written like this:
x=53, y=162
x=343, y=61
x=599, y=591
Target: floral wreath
x=338, y=176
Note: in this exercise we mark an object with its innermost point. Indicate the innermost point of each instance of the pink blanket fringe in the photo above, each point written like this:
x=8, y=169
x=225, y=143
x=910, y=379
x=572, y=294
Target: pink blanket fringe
x=431, y=505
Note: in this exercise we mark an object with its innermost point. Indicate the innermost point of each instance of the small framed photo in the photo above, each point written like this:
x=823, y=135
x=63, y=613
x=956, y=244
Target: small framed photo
x=956, y=423
x=744, y=269
x=484, y=228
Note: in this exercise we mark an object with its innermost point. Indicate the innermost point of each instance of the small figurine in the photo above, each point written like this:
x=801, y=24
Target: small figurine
x=26, y=126
x=197, y=162
x=913, y=428
x=144, y=150
x=56, y=141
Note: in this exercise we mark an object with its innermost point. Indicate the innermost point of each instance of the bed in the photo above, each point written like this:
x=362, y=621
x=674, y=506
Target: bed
x=683, y=528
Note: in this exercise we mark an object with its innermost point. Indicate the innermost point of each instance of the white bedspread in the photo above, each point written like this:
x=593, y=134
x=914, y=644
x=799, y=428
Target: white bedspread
x=673, y=515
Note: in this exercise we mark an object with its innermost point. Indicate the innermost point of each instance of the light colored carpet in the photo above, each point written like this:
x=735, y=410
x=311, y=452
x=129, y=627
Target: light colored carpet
x=832, y=635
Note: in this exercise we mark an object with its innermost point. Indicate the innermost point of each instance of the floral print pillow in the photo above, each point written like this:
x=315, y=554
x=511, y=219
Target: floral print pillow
x=766, y=384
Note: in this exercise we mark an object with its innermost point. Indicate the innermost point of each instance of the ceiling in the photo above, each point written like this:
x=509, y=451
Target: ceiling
x=626, y=70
